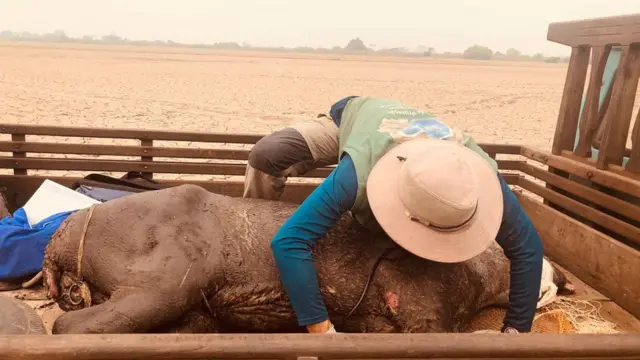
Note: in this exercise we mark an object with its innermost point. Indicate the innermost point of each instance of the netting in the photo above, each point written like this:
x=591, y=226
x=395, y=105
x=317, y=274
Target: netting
x=564, y=315
x=583, y=316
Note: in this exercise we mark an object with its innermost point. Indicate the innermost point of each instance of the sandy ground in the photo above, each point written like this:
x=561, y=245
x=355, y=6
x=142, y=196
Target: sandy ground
x=203, y=90
x=259, y=92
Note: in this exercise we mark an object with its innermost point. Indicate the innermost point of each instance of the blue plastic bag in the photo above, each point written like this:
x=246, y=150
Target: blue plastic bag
x=21, y=246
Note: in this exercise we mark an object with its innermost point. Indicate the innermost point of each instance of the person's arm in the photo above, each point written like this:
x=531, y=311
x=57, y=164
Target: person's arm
x=294, y=241
x=522, y=245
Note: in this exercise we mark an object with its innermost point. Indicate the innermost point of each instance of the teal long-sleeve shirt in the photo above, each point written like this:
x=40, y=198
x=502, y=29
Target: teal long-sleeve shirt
x=293, y=243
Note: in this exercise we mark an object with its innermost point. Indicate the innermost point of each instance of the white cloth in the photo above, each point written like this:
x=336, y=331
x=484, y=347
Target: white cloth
x=548, y=290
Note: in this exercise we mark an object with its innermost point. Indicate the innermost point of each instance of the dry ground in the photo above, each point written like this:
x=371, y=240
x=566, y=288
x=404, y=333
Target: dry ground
x=194, y=89
x=203, y=90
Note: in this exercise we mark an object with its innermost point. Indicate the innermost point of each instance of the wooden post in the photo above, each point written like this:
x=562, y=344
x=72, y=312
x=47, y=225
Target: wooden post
x=590, y=119
x=564, y=138
x=567, y=123
x=621, y=108
x=19, y=154
x=147, y=142
x=634, y=158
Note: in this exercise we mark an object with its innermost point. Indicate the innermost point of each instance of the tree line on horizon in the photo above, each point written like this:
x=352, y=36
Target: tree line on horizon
x=474, y=52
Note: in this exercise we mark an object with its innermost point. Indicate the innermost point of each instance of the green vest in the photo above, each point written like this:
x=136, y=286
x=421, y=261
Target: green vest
x=370, y=127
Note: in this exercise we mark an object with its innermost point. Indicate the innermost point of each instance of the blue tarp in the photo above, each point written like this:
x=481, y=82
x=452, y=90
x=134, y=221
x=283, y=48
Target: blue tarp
x=21, y=246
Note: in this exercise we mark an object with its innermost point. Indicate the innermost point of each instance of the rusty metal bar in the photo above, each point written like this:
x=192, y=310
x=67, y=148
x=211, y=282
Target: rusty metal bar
x=123, y=150
x=341, y=346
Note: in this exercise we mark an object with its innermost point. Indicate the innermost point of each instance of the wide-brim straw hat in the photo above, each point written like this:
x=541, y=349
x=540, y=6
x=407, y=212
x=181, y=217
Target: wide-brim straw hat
x=437, y=199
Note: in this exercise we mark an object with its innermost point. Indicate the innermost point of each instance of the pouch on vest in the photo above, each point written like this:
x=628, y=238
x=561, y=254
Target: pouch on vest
x=104, y=188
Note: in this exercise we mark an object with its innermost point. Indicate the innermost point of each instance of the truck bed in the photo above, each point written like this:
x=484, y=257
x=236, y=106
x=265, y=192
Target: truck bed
x=488, y=319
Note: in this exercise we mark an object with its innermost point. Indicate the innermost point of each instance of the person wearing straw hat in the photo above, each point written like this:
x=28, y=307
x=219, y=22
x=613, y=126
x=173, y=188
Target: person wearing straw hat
x=429, y=186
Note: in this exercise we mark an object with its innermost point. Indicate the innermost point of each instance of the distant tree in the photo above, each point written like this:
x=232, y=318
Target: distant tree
x=112, y=38
x=87, y=38
x=57, y=35
x=429, y=52
x=227, y=45
x=513, y=54
x=305, y=49
x=396, y=50
x=6, y=34
x=478, y=52
x=356, y=45
x=552, y=60
x=538, y=57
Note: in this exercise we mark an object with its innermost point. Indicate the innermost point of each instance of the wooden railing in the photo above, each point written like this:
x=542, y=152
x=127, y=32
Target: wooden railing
x=29, y=155
x=593, y=39
x=324, y=347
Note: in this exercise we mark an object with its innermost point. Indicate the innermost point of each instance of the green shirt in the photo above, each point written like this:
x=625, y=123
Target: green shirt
x=370, y=127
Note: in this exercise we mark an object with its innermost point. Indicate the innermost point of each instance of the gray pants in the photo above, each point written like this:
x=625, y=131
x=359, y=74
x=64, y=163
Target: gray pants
x=292, y=151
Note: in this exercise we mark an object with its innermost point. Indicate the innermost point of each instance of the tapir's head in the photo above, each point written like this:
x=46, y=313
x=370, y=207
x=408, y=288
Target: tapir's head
x=60, y=268
x=565, y=287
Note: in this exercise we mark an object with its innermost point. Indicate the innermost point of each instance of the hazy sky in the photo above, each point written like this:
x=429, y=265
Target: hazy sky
x=447, y=25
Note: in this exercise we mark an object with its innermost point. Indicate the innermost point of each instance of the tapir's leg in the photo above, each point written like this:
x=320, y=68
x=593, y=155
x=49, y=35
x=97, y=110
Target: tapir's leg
x=193, y=322
x=135, y=312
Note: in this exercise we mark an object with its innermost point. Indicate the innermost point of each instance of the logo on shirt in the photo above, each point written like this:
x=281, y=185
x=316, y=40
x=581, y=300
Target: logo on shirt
x=402, y=130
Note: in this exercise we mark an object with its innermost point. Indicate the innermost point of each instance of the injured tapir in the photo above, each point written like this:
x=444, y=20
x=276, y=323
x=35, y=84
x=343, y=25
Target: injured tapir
x=183, y=259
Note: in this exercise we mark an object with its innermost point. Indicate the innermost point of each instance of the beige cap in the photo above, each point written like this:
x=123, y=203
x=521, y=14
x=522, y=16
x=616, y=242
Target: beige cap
x=437, y=199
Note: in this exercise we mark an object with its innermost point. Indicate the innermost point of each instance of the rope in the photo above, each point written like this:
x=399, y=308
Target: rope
x=81, y=244
x=33, y=281
x=584, y=315
x=371, y=275
x=39, y=275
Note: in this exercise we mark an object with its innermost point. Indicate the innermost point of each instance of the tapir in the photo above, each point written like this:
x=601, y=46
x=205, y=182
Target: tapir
x=183, y=259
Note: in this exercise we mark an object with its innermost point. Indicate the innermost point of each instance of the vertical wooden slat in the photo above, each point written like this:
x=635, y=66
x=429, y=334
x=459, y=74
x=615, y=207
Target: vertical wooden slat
x=621, y=108
x=566, y=126
x=19, y=154
x=590, y=119
x=147, y=142
x=604, y=119
x=634, y=160
x=565, y=134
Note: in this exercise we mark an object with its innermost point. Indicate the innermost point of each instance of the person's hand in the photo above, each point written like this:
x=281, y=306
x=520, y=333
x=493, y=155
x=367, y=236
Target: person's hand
x=509, y=330
x=325, y=327
x=332, y=330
